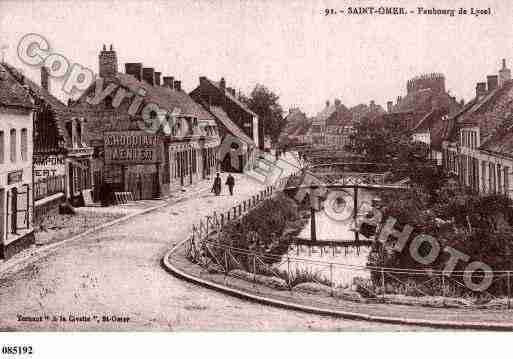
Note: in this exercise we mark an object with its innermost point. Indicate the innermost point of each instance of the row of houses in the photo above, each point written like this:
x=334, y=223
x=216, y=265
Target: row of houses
x=333, y=126
x=473, y=141
x=478, y=140
x=86, y=150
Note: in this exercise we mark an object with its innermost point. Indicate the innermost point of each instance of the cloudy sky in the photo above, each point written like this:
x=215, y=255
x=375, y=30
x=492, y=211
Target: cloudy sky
x=289, y=46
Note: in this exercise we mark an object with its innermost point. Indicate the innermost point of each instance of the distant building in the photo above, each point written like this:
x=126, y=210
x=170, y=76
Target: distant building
x=339, y=127
x=16, y=190
x=332, y=126
x=424, y=93
x=296, y=128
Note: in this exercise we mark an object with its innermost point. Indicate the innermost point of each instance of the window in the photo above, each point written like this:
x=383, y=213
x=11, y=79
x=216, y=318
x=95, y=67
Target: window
x=483, y=176
x=69, y=131
x=506, y=181
x=79, y=134
x=24, y=145
x=499, y=178
x=13, y=145
x=2, y=147
x=491, y=178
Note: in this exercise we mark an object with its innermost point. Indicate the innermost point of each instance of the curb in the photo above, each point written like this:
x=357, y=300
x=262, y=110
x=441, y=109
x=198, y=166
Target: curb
x=166, y=263
x=48, y=248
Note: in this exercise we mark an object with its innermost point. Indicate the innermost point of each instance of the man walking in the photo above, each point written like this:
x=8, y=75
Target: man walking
x=216, y=188
x=230, y=182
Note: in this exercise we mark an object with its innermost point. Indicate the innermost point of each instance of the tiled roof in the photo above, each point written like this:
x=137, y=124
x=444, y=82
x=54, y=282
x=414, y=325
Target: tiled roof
x=437, y=124
x=234, y=99
x=491, y=112
x=295, y=123
x=340, y=117
x=59, y=109
x=164, y=97
x=324, y=114
x=501, y=143
x=12, y=93
x=219, y=113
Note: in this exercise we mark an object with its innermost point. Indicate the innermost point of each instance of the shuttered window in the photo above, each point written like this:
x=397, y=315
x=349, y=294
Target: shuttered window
x=13, y=145
x=24, y=145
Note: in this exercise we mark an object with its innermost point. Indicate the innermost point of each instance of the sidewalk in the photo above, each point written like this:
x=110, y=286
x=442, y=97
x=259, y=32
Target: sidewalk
x=114, y=214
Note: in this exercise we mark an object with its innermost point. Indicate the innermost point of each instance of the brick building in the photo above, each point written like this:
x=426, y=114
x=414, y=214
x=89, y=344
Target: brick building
x=16, y=191
x=150, y=154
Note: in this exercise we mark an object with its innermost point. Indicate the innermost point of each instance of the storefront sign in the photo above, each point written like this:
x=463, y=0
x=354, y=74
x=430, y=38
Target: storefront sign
x=46, y=166
x=14, y=177
x=132, y=147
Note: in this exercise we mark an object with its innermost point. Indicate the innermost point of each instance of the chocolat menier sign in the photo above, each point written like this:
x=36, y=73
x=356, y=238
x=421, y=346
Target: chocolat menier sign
x=131, y=147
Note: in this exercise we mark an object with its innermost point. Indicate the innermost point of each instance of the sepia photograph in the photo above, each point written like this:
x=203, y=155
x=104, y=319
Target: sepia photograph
x=255, y=166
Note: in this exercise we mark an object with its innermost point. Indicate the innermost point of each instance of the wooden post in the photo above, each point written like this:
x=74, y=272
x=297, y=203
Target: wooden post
x=225, y=263
x=509, y=290
x=383, y=281
x=331, y=278
x=313, y=231
x=443, y=285
x=289, y=274
x=355, y=216
x=254, y=269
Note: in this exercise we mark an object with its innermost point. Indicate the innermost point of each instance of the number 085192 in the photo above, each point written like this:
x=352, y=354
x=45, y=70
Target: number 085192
x=17, y=349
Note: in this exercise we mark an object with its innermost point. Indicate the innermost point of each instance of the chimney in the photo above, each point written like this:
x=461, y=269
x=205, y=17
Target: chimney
x=45, y=81
x=108, y=62
x=493, y=82
x=222, y=84
x=480, y=89
x=328, y=103
x=337, y=102
x=157, y=78
x=390, y=105
x=134, y=69
x=504, y=73
x=149, y=75
x=178, y=85
x=169, y=81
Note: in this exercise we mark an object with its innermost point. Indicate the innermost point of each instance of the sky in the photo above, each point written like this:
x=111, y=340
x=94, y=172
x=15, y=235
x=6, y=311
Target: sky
x=289, y=46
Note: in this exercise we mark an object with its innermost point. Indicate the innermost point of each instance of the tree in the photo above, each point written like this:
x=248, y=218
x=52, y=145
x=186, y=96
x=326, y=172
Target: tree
x=265, y=104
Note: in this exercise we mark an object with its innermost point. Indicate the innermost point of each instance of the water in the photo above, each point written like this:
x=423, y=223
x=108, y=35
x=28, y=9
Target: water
x=336, y=263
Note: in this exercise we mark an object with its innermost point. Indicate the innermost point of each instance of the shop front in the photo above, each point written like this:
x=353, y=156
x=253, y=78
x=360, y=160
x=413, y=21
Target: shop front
x=132, y=163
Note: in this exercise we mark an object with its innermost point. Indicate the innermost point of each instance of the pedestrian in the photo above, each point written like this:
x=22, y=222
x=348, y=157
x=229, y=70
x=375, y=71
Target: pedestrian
x=230, y=182
x=216, y=188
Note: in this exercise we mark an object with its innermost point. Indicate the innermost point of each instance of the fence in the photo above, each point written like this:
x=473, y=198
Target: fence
x=333, y=279
x=49, y=186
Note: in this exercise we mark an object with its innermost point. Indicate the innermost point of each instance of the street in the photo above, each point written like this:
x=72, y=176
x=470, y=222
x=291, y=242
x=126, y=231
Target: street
x=116, y=273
